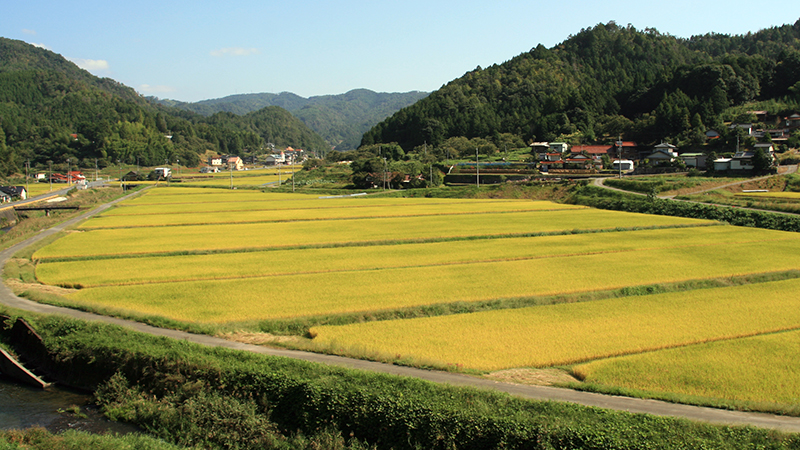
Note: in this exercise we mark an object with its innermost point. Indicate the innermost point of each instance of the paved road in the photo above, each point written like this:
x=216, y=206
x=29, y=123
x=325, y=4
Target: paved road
x=788, y=424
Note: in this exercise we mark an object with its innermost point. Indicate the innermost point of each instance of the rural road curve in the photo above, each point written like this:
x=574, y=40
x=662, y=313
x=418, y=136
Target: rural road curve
x=711, y=415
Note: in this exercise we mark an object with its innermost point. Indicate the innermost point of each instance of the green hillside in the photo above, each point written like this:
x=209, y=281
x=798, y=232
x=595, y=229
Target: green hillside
x=53, y=111
x=609, y=81
x=340, y=119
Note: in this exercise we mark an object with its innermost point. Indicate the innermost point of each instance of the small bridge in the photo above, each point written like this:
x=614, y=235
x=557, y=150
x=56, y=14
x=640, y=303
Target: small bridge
x=46, y=208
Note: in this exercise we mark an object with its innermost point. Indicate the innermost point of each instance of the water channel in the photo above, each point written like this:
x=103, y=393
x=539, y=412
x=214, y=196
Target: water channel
x=56, y=409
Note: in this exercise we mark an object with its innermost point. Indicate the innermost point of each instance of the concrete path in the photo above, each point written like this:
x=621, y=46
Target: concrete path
x=711, y=415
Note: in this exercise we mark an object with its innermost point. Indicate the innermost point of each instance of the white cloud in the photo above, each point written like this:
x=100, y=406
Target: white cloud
x=27, y=31
x=92, y=65
x=160, y=89
x=234, y=51
x=41, y=46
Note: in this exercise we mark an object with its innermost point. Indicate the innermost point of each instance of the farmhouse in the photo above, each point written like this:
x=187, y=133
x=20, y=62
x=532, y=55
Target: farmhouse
x=235, y=163
x=15, y=192
x=663, y=154
x=275, y=159
x=696, y=160
x=163, y=172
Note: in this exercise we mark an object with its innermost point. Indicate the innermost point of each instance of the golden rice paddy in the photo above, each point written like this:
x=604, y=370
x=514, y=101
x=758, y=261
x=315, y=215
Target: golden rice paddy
x=238, y=256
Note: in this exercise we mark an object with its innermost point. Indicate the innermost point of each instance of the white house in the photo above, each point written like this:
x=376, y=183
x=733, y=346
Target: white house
x=627, y=165
x=558, y=147
x=163, y=172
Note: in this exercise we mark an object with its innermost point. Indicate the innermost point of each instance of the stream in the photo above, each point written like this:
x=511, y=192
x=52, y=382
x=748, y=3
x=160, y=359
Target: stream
x=56, y=409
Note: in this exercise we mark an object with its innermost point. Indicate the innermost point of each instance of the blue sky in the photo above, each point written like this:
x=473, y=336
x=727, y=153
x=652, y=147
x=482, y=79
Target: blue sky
x=195, y=50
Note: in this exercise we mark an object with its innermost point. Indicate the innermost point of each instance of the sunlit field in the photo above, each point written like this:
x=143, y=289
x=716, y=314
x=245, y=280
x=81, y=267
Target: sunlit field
x=131, y=241
x=244, y=257
x=693, y=241
x=760, y=369
x=550, y=335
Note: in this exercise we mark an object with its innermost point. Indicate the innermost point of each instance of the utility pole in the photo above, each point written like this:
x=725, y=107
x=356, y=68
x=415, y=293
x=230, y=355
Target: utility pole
x=69, y=174
x=50, y=175
x=619, y=155
x=477, y=169
x=27, y=166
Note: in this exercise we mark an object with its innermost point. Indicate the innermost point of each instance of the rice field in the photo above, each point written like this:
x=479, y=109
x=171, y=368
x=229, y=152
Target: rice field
x=544, y=336
x=311, y=210
x=201, y=255
x=248, y=236
x=760, y=369
x=155, y=269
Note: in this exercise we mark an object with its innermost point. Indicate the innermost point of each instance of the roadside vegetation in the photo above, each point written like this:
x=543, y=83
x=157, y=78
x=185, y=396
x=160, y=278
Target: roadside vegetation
x=190, y=395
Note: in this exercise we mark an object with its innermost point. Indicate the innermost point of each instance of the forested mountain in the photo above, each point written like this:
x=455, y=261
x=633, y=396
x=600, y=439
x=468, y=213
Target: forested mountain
x=51, y=110
x=609, y=81
x=340, y=119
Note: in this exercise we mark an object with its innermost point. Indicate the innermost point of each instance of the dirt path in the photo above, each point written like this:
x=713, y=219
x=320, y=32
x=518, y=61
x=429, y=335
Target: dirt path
x=783, y=423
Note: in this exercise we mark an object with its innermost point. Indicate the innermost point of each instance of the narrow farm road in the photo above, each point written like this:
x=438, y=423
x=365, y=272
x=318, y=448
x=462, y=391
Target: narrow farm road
x=785, y=170
x=782, y=423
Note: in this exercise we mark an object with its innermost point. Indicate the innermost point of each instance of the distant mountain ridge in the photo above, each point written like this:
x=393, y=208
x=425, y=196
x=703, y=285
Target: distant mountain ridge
x=54, y=113
x=340, y=119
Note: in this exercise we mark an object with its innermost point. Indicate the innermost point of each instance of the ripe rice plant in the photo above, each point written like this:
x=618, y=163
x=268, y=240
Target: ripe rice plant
x=333, y=211
x=326, y=293
x=117, y=271
x=132, y=241
x=165, y=195
x=759, y=369
x=279, y=203
x=568, y=333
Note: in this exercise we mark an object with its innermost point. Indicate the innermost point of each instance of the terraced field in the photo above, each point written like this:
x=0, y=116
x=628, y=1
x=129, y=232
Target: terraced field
x=550, y=279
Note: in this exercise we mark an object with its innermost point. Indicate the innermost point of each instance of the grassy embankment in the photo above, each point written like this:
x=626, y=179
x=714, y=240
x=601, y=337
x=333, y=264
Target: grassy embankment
x=215, y=398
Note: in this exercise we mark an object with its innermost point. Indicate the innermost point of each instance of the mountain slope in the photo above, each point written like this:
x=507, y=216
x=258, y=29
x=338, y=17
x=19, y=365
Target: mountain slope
x=51, y=110
x=603, y=82
x=340, y=119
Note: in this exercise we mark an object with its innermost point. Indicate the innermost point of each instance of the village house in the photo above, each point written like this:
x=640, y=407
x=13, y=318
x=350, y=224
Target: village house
x=235, y=163
x=595, y=152
x=663, y=153
x=275, y=159
x=696, y=160
x=15, y=192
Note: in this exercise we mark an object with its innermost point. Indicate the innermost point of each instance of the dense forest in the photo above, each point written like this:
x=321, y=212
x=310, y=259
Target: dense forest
x=610, y=81
x=340, y=119
x=51, y=111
